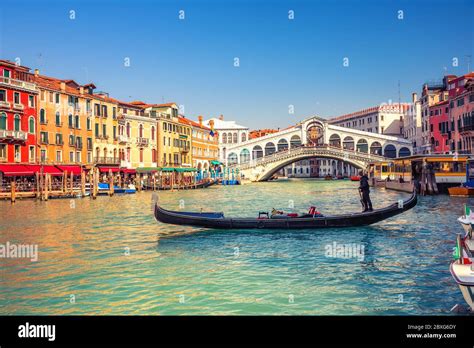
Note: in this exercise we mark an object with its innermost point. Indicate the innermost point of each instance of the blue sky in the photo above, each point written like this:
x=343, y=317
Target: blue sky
x=282, y=62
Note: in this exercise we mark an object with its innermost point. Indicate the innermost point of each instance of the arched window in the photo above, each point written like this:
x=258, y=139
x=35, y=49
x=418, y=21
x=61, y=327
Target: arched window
x=295, y=141
x=282, y=145
x=17, y=122
x=269, y=149
x=31, y=125
x=153, y=134
x=42, y=116
x=404, y=152
x=229, y=138
x=3, y=121
x=390, y=151
x=257, y=152
x=244, y=156
x=70, y=121
x=244, y=137
x=58, y=119
x=77, y=123
x=362, y=146
x=128, y=129
x=224, y=138
x=235, y=138
x=335, y=140
x=140, y=132
x=232, y=159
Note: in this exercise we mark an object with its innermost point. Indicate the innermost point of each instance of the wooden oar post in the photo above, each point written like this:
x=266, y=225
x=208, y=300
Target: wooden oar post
x=83, y=183
x=111, y=183
x=13, y=191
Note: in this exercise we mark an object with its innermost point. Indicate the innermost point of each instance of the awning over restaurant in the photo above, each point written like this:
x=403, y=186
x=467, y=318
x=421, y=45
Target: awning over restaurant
x=16, y=170
x=179, y=170
x=46, y=169
x=75, y=170
x=148, y=169
x=106, y=169
x=128, y=171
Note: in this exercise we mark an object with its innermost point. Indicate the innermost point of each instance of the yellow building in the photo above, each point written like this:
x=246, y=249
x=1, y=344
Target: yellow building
x=105, y=133
x=137, y=136
x=174, y=138
x=64, y=121
x=204, y=145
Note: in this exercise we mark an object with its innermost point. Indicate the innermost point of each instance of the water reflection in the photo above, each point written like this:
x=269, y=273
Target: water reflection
x=115, y=258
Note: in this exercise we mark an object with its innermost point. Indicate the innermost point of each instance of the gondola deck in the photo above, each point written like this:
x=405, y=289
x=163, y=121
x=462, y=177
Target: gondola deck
x=218, y=220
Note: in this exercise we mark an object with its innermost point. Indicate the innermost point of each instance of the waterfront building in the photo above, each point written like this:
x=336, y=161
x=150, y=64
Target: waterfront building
x=439, y=127
x=173, y=138
x=461, y=113
x=137, y=136
x=64, y=121
x=432, y=93
x=230, y=134
x=383, y=119
x=105, y=133
x=412, y=124
x=204, y=144
x=18, y=121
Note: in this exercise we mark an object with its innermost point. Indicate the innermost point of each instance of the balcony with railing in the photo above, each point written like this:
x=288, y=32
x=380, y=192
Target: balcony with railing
x=13, y=135
x=4, y=104
x=106, y=160
x=142, y=141
x=123, y=139
x=18, y=106
x=9, y=82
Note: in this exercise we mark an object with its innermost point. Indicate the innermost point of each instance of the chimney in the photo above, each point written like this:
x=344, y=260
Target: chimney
x=414, y=97
x=81, y=90
x=37, y=72
x=63, y=86
x=221, y=117
x=200, y=120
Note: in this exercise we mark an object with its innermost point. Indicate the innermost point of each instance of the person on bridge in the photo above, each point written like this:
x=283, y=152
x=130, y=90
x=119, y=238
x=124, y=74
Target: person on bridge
x=365, y=192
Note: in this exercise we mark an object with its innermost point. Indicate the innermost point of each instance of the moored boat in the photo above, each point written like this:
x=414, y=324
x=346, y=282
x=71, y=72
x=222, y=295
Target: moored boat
x=461, y=191
x=462, y=268
x=264, y=221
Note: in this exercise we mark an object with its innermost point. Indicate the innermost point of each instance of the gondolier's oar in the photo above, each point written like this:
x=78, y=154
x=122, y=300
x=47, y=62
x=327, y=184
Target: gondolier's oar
x=361, y=200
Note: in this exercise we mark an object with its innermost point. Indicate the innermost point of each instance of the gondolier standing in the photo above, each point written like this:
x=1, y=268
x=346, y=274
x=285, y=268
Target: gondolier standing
x=365, y=192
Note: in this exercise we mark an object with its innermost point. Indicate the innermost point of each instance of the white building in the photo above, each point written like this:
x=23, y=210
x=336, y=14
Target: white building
x=383, y=119
x=412, y=125
x=229, y=132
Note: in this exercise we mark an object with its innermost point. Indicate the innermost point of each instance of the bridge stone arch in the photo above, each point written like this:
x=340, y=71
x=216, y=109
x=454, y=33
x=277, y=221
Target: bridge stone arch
x=282, y=144
x=244, y=156
x=348, y=143
x=376, y=148
x=270, y=148
x=390, y=150
x=362, y=145
x=335, y=140
x=268, y=172
x=295, y=141
x=257, y=152
x=263, y=168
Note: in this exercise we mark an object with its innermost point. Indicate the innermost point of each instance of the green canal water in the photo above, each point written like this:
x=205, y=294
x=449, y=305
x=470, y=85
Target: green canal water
x=109, y=256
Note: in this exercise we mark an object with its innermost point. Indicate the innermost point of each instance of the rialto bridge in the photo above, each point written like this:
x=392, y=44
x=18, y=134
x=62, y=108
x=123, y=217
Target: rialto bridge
x=258, y=159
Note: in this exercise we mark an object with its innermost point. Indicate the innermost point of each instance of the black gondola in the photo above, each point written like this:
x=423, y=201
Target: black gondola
x=217, y=219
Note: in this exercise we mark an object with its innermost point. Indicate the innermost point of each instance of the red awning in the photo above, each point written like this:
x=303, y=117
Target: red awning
x=16, y=170
x=75, y=170
x=46, y=169
x=106, y=169
x=128, y=171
